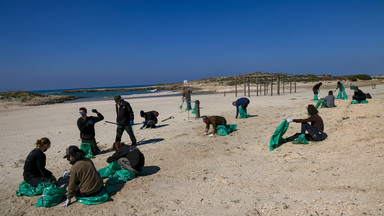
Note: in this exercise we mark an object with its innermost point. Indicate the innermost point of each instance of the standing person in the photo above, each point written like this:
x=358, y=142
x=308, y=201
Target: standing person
x=34, y=167
x=358, y=95
x=342, y=94
x=243, y=102
x=128, y=157
x=329, y=100
x=150, y=119
x=315, y=130
x=187, y=97
x=84, y=180
x=214, y=121
x=316, y=89
x=124, y=119
x=86, y=125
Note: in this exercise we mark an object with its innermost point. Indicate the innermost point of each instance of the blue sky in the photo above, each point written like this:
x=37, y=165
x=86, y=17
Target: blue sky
x=74, y=44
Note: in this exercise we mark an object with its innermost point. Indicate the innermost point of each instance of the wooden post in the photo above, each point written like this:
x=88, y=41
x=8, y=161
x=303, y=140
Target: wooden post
x=290, y=86
x=249, y=88
x=245, y=87
x=235, y=86
x=271, y=85
x=197, y=104
x=283, y=84
x=257, y=87
x=295, y=84
x=278, y=85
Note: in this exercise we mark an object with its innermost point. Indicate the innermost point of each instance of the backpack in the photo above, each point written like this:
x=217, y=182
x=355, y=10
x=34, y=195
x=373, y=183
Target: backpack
x=155, y=113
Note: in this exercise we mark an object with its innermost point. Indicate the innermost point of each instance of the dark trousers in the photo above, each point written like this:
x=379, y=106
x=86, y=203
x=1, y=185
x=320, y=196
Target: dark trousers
x=34, y=181
x=94, y=148
x=313, y=133
x=188, y=101
x=151, y=123
x=119, y=132
x=245, y=105
x=79, y=194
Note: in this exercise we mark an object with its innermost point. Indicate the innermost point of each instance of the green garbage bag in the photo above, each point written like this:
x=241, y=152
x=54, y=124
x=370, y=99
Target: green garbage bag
x=94, y=200
x=225, y=130
x=194, y=110
x=315, y=97
x=52, y=196
x=342, y=95
x=356, y=102
x=120, y=176
x=29, y=190
x=109, y=170
x=300, y=140
x=277, y=136
x=320, y=102
x=243, y=113
x=86, y=147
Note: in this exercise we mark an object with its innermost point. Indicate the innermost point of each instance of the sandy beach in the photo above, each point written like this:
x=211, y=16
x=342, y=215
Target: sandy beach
x=192, y=174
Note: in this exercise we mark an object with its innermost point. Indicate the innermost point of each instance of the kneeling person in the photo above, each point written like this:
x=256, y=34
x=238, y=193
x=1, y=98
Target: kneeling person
x=128, y=157
x=214, y=121
x=84, y=179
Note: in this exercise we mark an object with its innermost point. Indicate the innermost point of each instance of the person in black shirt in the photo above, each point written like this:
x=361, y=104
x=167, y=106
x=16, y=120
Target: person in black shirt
x=150, y=119
x=128, y=157
x=86, y=125
x=316, y=89
x=34, y=167
x=358, y=95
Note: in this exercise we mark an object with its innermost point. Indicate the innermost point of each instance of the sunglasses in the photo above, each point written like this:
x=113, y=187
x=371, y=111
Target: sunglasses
x=82, y=112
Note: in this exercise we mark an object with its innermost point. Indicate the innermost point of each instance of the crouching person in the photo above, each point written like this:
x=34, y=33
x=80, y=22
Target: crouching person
x=214, y=121
x=84, y=179
x=128, y=157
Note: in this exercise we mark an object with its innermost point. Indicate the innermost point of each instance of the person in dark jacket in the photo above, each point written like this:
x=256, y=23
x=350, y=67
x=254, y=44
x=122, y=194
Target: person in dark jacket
x=315, y=130
x=316, y=89
x=243, y=102
x=150, y=119
x=124, y=119
x=86, y=125
x=34, y=167
x=128, y=157
x=358, y=95
x=214, y=121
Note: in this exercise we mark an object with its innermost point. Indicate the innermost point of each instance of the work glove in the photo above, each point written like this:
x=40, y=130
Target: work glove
x=144, y=122
x=131, y=122
x=141, y=127
x=205, y=133
x=66, y=173
x=289, y=120
x=211, y=135
x=94, y=110
x=66, y=204
x=90, y=122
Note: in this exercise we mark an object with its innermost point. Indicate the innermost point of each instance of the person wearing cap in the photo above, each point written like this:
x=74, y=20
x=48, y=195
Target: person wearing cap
x=84, y=180
x=150, y=119
x=128, y=157
x=315, y=129
x=34, y=167
x=124, y=119
x=243, y=102
x=214, y=121
x=86, y=125
x=187, y=97
x=316, y=89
